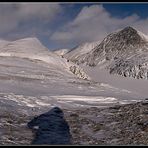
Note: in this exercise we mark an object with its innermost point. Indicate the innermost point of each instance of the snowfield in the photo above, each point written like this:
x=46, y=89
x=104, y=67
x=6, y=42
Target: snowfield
x=135, y=86
x=36, y=84
x=32, y=77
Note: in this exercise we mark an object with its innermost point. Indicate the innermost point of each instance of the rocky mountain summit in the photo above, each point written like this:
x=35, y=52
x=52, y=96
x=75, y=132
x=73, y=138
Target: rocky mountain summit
x=124, y=52
x=117, y=45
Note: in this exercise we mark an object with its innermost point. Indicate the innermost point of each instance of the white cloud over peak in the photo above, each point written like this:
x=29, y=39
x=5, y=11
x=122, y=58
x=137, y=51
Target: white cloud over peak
x=93, y=23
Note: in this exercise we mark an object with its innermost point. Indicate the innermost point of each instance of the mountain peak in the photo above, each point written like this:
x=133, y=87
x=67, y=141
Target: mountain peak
x=25, y=46
x=129, y=33
x=129, y=29
x=128, y=36
x=116, y=44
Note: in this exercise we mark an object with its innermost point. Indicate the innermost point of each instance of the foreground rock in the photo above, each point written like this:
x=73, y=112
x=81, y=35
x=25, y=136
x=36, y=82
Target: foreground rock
x=50, y=128
x=13, y=130
x=118, y=125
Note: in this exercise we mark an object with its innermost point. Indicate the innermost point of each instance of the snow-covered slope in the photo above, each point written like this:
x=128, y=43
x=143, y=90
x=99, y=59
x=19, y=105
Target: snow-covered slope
x=61, y=52
x=32, y=76
x=78, y=53
x=24, y=46
x=29, y=84
x=3, y=43
x=32, y=49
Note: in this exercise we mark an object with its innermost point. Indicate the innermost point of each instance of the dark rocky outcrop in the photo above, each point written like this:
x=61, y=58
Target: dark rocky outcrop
x=50, y=128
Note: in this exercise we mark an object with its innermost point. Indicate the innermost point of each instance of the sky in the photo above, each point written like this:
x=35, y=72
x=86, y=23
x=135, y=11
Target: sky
x=66, y=25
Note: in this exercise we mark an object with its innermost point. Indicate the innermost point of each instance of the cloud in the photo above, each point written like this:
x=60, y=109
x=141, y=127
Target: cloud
x=27, y=31
x=93, y=23
x=40, y=11
x=64, y=25
x=14, y=16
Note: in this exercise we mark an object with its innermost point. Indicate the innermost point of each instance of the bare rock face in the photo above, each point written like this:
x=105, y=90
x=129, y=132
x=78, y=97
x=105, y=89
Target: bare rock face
x=79, y=72
x=51, y=128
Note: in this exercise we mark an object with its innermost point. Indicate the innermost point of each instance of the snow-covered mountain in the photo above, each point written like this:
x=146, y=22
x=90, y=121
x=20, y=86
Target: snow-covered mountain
x=118, y=45
x=33, y=80
x=30, y=70
x=32, y=49
x=124, y=52
x=78, y=53
x=22, y=47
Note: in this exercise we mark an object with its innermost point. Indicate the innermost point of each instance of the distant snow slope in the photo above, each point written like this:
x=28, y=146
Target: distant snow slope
x=78, y=53
x=3, y=43
x=26, y=45
x=61, y=52
x=32, y=49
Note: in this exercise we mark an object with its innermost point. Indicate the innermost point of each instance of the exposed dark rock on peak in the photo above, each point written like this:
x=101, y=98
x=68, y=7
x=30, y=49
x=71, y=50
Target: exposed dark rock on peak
x=116, y=45
x=50, y=128
x=129, y=29
x=129, y=35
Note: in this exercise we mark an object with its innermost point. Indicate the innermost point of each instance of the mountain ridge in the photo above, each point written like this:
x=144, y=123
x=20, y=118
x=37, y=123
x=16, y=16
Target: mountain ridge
x=124, y=52
x=78, y=52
